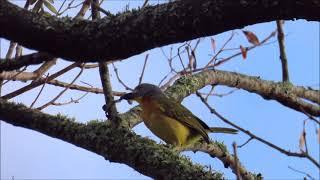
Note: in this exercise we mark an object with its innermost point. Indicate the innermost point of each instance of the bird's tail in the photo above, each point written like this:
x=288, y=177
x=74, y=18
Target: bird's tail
x=223, y=130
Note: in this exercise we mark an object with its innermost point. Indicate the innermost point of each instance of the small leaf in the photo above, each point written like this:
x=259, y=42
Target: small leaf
x=50, y=7
x=302, y=141
x=243, y=52
x=51, y=1
x=213, y=44
x=251, y=37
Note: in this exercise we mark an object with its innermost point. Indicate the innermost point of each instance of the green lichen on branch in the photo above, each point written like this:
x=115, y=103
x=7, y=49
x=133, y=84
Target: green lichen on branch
x=114, y=144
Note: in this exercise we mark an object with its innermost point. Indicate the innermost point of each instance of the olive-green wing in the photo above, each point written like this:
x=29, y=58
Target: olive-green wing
x=177, y=111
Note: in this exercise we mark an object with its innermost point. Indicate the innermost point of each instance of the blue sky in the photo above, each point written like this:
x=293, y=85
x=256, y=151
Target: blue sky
x=28, y=154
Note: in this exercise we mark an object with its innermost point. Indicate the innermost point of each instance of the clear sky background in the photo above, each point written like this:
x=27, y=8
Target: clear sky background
x=32, y=155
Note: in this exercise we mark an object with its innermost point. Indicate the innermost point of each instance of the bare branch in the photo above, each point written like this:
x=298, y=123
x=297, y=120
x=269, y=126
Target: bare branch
x=30, y=59
x=71, y=100
x=61, y=93
x=281, y=150
x=45, y=67
x=301, y=172
x=40, y=82
x=103, y=139
x=218, y=63
x=26, y=76
x=283, y=56
x=35, y=100
x=214, y=58
x=144, y=67
x=118, y=77
x=240, y=146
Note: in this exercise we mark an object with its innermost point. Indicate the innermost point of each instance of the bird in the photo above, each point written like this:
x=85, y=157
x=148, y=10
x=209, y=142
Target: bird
x=170, y=120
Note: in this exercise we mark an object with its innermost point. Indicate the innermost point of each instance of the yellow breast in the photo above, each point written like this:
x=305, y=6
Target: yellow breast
x=166, y=128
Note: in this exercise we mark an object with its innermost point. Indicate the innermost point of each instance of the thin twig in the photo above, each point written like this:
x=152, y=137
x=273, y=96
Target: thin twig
x=213, y=59
x=61, y=6
x=40, y=82
x=143, y=69
x=240, y=146
x=210, y=92
x=71, y=100
x=61, y=93
x=301, y=172
x=239, y=53
x=119, y=79
x=38, y=95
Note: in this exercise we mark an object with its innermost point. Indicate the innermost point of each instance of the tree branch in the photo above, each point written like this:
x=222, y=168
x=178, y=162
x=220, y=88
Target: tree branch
x=27, y=76
x=40, y=82
x=284, y=93
x=145, y=155
x=30, y=59
x=184, y=20
x=283, y=56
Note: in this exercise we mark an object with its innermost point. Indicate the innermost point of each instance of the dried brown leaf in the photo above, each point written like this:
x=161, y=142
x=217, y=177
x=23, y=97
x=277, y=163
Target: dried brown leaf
x=302, y=141
x=251, y=37
x=243, y=52
x=213, y=44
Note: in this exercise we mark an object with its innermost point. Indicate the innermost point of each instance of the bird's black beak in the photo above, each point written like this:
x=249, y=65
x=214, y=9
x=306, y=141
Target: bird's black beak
x=129, y=96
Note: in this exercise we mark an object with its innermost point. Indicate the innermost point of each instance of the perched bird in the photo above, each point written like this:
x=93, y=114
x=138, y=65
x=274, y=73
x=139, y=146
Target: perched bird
x=168, y=119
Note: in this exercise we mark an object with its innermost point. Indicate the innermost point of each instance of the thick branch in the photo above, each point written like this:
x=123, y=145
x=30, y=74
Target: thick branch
x=30, y=59
x=285, y=93
x=143, y=155
x=130, y=33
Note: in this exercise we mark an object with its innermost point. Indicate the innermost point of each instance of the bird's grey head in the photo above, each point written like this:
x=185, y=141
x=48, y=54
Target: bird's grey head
x=142, y=90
